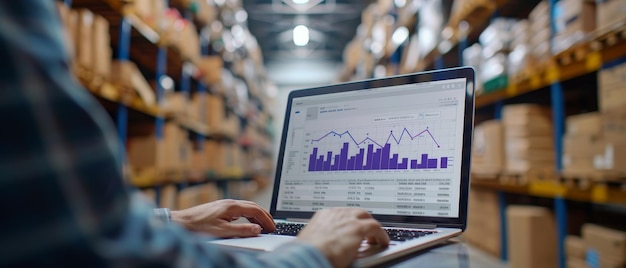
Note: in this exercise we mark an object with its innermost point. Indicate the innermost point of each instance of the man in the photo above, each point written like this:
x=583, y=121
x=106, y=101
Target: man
x=62, y=198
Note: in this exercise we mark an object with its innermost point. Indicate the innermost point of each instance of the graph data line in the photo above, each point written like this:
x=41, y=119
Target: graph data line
x=391, y=135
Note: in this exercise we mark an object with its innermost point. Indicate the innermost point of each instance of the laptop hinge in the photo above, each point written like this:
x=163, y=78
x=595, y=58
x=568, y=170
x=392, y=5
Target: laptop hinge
x=298, y=220
x=409, y=225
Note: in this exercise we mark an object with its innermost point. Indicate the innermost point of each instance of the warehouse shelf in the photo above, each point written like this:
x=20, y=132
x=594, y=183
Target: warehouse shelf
x=146, y=41
x=584, y=58
x=600, y=193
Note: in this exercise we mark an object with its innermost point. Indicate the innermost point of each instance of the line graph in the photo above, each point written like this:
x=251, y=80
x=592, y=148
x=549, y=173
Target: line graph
x=391, y=135
x=378, y=155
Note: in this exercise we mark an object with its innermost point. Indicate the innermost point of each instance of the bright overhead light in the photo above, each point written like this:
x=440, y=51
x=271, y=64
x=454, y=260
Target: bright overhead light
x=300, y=2
x=300, y=35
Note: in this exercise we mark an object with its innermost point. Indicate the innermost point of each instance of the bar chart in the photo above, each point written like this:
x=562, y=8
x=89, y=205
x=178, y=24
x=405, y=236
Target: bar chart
x=373, y=155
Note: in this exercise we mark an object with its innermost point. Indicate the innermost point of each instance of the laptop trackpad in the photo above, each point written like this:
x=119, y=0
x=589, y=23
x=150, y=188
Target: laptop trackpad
x=262, y=242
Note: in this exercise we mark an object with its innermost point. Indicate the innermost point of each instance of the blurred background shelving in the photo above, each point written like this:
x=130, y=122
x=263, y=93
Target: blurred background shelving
x=196, y=89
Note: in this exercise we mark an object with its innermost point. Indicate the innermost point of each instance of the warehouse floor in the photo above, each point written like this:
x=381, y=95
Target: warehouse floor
x=475, y=256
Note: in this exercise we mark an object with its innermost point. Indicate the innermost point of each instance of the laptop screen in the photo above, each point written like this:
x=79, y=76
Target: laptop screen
x=392, y=150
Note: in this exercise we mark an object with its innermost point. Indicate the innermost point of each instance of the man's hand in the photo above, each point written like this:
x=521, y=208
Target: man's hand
x=338, y=233
x=215, y=218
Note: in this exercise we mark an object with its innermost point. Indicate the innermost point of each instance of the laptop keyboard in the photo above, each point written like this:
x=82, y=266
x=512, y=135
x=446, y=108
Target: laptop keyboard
x=292, y=229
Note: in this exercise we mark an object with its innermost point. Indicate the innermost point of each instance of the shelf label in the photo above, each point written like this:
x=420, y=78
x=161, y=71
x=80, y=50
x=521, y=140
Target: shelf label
x=594, y=61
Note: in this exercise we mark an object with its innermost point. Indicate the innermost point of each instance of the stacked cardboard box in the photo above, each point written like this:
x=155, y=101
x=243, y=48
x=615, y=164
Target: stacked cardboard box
x=531, y=233
x=196, y=195
x=172, y=151
x=88, y=41
x=169, y=196
x=594, y=145
x=582, y=142
x=609, y=13
x=431, y=22
x=496, y=43
x=575, y=252
x=483, y=222
x=529, y=142
x=488, y=149
x=573, y=23
x=518, y=58
x=125, y=75
x=612, y=87
x=539, y=19
x=150, y=11
x=608, y=244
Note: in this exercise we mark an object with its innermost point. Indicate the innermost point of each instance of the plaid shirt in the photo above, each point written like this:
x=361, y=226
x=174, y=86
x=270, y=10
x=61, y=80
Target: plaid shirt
x=62, y=198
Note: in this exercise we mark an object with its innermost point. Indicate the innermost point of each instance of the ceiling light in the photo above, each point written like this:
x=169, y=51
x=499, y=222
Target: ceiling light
x=300, y=2
x=301, y=35
x=399, y=3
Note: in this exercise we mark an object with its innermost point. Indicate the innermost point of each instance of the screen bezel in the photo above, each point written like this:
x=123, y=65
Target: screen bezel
x=468, y=124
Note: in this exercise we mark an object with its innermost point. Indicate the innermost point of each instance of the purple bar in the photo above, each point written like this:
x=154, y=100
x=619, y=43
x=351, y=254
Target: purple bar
x=393, y=163
x=319, y=166
x=329, y=156
x=343, y=159
x=336, y=164
x=370, y=157
x=414, y=164
x=424, y=163
x=350, y=163
x=432, y=163
x=444, y=162
x=384, y=157
x=312, y=159
x=405, y=163
x=358, y=165
x=376, y=159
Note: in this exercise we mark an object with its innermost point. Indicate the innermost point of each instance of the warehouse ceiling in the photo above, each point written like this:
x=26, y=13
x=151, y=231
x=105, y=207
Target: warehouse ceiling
x=331, y=25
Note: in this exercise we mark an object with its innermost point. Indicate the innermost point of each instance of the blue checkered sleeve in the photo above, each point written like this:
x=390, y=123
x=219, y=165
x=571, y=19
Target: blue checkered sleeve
x=62, y=198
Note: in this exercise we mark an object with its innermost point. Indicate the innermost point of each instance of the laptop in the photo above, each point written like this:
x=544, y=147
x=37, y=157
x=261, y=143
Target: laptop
x=398, y=147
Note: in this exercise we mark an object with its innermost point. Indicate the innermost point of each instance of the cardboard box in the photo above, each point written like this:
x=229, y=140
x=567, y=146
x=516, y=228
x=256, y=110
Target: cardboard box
x=575, y=247
x=576, y=263
x=540, y=11
x=525, y=131
x=488, y=148
x=102, y=55
x=210, y=69
x=208, y=193
x=612, y=160
x=614, y=126
x=610, y=12
x=188, y=197
x=587, y=124
x=127, y=76
x=511, y=112
x=483, y=223
x=532, y=237
x=610, y=244
x=84, y=45
x=169, y=196
x=583, y=145
x=612, y=88
x=169, y=152
x=576, y=15
x=214, y=111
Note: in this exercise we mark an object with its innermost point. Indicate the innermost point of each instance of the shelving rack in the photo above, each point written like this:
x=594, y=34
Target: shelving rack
x=132, y=39
x=584, y=58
